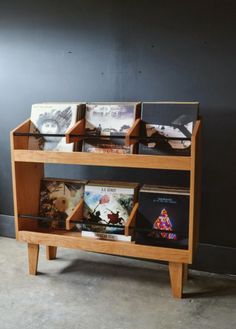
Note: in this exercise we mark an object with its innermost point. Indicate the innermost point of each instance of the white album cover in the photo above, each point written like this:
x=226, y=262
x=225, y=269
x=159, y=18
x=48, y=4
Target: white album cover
x=52, y=119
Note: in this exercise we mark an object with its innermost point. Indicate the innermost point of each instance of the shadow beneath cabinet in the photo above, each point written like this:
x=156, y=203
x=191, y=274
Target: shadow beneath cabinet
x=100, y=269
x=204, y=285
x=199, y=285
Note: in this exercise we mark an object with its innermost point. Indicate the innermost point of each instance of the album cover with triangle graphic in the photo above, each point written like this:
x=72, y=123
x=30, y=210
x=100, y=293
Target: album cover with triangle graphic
x=163, y=217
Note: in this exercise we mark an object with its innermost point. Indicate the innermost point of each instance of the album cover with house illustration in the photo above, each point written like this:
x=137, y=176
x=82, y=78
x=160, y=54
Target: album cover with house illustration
x=109, y=119
x=53, y=118
x=163, y=216
x=162, y=120
x=58, y=198
x=109, y=204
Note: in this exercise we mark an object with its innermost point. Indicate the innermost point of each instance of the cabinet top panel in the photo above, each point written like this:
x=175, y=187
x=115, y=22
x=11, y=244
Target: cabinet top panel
x=110, y=160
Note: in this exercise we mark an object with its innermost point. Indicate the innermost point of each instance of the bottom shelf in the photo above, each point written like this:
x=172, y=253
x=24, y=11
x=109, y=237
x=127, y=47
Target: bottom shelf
x=70, y=239
x=178, y=259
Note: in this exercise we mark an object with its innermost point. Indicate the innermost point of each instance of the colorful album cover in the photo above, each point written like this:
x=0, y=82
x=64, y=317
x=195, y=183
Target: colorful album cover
x=58, y=198
x=52, y=118
x=163, y=217
x=163, y=121
x=108, y=205
x=108, y=120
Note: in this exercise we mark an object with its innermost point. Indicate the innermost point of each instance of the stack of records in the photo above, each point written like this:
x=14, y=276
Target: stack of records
x=104, y=120
x=107, y=206
x=165, y=120
x=163, y=216
x=58, y=199
x=53, y=119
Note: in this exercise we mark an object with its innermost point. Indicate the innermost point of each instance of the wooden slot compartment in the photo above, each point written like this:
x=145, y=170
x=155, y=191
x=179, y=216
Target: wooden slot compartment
x=79, y=128
x=77, y=215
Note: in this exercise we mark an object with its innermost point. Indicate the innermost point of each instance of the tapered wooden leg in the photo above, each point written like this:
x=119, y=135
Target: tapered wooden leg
x=51, y=252
x=33, y=254
x=176, y=271
x=185, y=278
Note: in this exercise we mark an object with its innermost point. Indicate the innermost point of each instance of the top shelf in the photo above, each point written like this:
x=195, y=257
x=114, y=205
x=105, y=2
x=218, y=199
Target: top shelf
x=20, y=153
x=110, y=160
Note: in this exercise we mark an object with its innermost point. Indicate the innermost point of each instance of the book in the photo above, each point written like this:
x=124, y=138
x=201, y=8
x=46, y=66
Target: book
x=108, y=204
x=106, y=236
x=58, y=199
x=111, y=120
x=165, y=120
x=53, y=118
x=163, y=216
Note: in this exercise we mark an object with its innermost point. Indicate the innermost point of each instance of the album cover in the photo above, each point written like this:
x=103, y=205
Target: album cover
x=162, y=120
x=53, y=118
x=58, y=198
x=163, y=216
x=109, y=119
x=106, y=146
x=109, y=204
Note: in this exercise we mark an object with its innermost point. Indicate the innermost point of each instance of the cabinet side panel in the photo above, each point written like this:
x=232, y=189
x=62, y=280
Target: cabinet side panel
x=21, y=142
x=198, y=190
x=26, y=188
x=195, y=191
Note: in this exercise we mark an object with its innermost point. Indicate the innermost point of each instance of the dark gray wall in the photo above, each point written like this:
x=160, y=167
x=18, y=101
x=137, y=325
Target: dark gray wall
x=126, y=50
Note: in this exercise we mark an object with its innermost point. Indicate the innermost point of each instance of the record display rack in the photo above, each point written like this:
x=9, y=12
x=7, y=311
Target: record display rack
x=28, y=170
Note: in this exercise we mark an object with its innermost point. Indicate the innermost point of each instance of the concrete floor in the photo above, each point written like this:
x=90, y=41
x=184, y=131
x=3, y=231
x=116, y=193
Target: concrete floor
x=86, y=290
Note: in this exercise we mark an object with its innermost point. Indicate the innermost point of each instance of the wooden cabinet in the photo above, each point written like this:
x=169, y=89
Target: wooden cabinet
x=28, y=169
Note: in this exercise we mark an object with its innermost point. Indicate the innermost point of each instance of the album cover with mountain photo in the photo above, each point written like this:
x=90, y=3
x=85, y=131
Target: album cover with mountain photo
x=53, y=118
x=163, y=217
x=108, y=205
x=109, y=119
x=162, y=120
x=58, y=198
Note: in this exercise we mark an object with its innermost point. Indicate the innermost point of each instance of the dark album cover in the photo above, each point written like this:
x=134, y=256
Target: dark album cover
x=163, y=217
x=163, y=120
